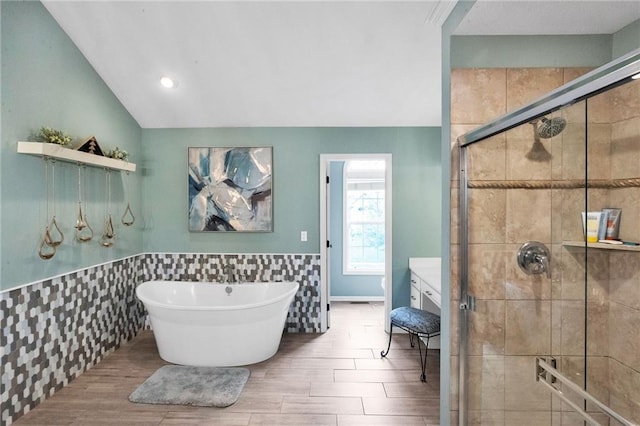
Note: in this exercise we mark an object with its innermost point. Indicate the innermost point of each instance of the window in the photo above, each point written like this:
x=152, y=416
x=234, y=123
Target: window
x=364, y=223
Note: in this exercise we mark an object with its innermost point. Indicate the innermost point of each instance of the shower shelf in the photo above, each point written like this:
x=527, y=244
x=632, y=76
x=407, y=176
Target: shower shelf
x=61, y=153
x=603, y=246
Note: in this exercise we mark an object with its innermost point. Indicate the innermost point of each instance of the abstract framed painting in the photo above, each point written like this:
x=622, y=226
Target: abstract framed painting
x=230, y=189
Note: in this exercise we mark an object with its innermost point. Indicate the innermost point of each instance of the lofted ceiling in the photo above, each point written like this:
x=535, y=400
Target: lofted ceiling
x=297, y=63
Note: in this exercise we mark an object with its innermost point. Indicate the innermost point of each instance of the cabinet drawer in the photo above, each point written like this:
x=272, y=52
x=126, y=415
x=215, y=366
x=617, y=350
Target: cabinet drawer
x=415, y=280
x=431, y=293
x=415, y=297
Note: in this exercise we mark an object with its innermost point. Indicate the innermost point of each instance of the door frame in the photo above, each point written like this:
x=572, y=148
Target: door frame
x=325, y=159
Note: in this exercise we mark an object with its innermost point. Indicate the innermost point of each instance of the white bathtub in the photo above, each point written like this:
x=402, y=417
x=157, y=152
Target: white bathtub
x=200, y=324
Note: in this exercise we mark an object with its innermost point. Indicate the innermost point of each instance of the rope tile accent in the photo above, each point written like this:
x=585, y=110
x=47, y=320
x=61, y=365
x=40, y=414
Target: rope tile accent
x=554, y=184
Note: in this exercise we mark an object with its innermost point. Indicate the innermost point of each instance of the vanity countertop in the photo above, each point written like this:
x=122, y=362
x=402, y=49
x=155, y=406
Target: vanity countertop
x=427, y=269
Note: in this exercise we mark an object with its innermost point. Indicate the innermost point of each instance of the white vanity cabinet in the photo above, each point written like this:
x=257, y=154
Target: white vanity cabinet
x=425, y=294
x=426, y=287
x=416, y=298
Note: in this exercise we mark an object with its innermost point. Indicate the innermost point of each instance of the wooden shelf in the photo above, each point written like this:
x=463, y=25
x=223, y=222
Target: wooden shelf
x=72, y=156
x=603, y=246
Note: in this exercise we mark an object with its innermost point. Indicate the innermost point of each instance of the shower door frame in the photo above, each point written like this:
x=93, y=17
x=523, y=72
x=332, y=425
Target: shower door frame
x=601, y=79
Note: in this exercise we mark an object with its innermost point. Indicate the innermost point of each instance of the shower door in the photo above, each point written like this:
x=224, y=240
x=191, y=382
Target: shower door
x=513, y=199
x=548, y=323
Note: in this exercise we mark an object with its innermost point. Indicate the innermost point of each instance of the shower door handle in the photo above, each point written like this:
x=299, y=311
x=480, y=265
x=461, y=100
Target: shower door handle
x=533, y=258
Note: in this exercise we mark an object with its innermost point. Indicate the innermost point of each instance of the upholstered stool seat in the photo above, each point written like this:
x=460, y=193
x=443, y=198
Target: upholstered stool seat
x=419, y=324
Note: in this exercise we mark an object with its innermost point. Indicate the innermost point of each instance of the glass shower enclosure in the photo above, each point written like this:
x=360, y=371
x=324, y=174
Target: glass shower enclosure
x=549, y=306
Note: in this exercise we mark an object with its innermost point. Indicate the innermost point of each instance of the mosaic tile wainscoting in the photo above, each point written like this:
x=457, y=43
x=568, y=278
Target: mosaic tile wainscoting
x=304, y=312
x=54, y=330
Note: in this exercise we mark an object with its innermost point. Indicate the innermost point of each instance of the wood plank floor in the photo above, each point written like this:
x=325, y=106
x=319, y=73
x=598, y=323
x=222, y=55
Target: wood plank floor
x=334, y=378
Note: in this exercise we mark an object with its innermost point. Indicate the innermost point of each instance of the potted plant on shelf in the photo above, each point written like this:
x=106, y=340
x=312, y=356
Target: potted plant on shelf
x=54, y=136
x=118, y=154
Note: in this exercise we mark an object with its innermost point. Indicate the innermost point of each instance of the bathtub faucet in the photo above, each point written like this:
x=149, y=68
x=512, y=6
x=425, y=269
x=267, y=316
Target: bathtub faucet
x=228, y=270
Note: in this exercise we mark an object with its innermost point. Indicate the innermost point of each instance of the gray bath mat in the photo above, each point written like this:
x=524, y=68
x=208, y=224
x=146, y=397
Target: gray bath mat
x=183, y=385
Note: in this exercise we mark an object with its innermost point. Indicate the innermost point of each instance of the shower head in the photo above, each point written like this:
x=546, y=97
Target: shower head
x=547, y=128
x=538, y=152
x=541, y=129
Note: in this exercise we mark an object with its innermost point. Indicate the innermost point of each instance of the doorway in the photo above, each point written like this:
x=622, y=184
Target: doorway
x=329, y=240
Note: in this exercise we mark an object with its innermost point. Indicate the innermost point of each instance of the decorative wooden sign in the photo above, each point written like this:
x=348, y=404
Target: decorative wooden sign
x=91, y=146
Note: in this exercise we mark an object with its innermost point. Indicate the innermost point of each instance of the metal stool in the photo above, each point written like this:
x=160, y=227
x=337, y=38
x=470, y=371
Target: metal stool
x=417, y=323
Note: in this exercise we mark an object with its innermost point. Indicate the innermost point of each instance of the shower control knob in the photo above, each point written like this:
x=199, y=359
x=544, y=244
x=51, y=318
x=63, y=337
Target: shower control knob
x=533, y=258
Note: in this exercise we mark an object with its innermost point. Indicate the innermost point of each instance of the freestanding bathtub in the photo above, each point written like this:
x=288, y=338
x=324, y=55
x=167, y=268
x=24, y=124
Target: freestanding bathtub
x=217, y=325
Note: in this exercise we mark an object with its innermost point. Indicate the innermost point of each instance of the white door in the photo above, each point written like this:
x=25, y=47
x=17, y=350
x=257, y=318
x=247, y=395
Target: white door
x=328, y=243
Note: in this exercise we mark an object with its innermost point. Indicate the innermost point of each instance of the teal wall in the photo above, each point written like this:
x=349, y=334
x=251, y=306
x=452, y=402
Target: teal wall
x=1, y=139
x=340, y=284
x=626, y=40
x=530, y=51
x=513, y=51
x=46, y=81
x=417, y=189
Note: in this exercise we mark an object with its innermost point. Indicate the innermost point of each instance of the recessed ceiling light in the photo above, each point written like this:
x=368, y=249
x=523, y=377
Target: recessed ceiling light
x=168, y=82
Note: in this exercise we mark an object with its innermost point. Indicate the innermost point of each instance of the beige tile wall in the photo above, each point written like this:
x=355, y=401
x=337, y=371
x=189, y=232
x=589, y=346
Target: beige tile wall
x=623, y=318
x=519, y=317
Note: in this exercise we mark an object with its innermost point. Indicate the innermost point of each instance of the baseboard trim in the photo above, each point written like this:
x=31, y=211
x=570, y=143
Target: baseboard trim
x=356, y=298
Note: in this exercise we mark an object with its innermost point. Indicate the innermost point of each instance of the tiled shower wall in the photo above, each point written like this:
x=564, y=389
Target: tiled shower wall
x=54, y=330
x=623, y=291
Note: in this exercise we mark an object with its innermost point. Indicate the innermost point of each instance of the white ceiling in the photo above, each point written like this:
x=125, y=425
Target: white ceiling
x=297, y=63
